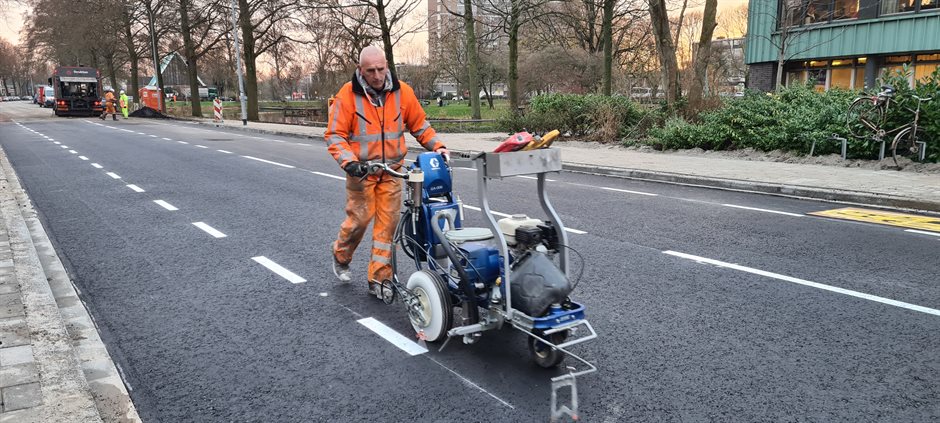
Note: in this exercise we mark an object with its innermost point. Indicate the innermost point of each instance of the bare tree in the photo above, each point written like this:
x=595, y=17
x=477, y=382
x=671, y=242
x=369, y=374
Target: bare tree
x=202, y=25
x=703, y=54
x=666, y=49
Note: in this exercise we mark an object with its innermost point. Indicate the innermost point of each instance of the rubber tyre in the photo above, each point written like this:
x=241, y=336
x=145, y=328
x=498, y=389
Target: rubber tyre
x=435, y=300
x=905, y=145
x=864, y=110
x=544, y=355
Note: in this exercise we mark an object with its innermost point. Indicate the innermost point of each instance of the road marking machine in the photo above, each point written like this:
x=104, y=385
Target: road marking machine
x=514, y=272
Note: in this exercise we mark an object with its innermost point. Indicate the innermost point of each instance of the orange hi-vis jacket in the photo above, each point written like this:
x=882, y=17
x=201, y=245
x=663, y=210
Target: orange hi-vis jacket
x=360, y=131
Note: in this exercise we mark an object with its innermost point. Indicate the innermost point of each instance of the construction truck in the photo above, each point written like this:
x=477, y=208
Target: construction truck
x=77, y=91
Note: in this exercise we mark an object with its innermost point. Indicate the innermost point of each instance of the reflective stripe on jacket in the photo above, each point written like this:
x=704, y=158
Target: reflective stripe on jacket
x=359, y=131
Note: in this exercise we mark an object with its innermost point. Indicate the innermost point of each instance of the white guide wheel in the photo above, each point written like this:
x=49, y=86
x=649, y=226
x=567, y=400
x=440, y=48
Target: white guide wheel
x=435, y=306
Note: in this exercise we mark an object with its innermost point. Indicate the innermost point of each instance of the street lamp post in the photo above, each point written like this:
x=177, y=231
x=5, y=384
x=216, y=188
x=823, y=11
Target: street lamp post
x=238, y=66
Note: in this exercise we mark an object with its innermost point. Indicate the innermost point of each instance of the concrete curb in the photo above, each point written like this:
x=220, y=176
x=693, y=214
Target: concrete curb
x=834, y=195
x=79, y=381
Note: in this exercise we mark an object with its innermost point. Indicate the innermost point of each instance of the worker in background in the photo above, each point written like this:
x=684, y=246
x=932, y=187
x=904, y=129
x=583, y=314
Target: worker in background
x=124, y=104
x=366, y=123
x=109, y=101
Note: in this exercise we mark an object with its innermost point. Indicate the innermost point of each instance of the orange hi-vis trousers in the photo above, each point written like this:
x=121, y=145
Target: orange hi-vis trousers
x=377, y=198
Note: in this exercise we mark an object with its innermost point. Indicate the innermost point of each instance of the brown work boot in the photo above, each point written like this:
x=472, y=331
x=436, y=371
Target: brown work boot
x=341, y=270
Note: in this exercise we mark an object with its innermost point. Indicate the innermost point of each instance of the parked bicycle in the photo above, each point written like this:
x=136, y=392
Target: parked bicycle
x=866, y=119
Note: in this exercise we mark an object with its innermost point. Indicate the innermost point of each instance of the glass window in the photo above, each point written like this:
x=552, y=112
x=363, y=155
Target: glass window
x=818, y=11
x=923, y=70
x=841, y=78
x=928, y=57
x=794, y=78
x=897, y=6
x=819, y=78
x=929, y=4
x=846, y=9
x=859, y=78
x=898, y=59
x=792, y=11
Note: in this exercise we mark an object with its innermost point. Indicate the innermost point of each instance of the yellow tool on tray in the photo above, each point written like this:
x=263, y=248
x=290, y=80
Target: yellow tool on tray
x=543, y=142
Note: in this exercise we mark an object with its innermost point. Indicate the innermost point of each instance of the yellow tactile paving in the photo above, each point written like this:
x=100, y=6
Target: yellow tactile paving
x=912, y=221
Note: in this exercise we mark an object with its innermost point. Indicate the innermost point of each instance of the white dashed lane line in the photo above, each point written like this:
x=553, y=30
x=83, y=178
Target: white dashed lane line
x=73, y=152
x=167, y=139
x=165, y=205
x=57, y=143
x=269, y=162
x=83, y=157
x=280, y=270
x=97, y=166
x=341, y=178
x=915, y=231
x=649, y=194
x=209, y=230
x=64, y=146
x=392, y=336
x=182, y=142
x=803, y=282
x=763, y=210
x=135, y=188
x=201, y=146
x=224, y=151
x=114, y=175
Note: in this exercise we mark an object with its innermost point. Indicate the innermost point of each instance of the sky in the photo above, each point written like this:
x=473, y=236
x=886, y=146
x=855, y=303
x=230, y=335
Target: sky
x=11, y=19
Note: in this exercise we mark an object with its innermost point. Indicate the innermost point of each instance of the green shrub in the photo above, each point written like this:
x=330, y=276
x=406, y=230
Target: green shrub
x=591, y=115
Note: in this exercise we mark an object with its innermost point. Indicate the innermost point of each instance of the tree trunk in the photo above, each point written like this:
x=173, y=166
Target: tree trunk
x=112, y=72
x=248, y=46
x=132, y=55
x=473, y=60
x=666, y=50
x=189, y=50
x=700, y=66
x=514, y=58
x=607, y=35
x=386, y=35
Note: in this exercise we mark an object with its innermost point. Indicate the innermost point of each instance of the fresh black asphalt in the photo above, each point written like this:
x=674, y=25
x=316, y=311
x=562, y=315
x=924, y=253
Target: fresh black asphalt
x=203, y=333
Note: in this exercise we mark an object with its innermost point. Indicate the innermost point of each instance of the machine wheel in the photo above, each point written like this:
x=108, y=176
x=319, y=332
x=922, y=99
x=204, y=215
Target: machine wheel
x=544, y=355
x=435, y=306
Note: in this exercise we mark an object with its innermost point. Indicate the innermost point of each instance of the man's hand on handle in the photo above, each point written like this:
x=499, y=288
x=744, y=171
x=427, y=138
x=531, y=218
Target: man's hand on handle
x=356, y=169
x=443, y=151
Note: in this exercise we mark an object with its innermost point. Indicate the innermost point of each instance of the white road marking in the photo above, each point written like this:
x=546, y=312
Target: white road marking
x=269, y=162
x=97, y=166
x=817, y=285
x=113, y=175
x=915, y=231
x=167, y=139
x=390, y=335
x=135, y=188
x=328, y=175
x=209, y=230
x=153, y=136
x=73, y=152
x=536, y=178
x=280, y=270
x=201, y=146
x=630, y=192
x=223, y=151
x=469, y=382
x=165, y=205
x=141, y=133
x=575, y=231
x=50, y=139
x=324, y=294
x=83, y=157
x=57, y=143
x=182, y=142
x=127, y=130
x=64, y=146
x=763, y=210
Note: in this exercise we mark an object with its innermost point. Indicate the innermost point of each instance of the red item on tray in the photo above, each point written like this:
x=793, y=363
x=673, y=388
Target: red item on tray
x=514, y=142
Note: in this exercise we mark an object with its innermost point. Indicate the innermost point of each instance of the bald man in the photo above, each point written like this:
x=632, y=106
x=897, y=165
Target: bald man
x=366, y=124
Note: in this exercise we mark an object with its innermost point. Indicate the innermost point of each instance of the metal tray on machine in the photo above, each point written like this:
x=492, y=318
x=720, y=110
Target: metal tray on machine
x=501, y=165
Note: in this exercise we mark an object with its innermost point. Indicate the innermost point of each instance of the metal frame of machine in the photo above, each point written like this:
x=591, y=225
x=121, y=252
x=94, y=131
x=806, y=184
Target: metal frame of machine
x=429, y=209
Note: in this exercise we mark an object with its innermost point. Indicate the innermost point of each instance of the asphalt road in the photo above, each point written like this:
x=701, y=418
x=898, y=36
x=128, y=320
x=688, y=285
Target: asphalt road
x=710, y=305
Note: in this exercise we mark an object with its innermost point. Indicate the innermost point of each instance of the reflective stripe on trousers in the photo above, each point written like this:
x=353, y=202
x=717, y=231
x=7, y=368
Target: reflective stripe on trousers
x=375, y=200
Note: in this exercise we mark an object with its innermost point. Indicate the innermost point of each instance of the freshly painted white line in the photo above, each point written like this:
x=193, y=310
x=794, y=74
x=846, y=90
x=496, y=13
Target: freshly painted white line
x=167, y=139
x=165, y=205
x=57, y=143
x=141, y=133
x=182, y=142
x=224, y=151
x=153, y=136
x=390, y=335
x=97, y=166
x=64, y=146
x=201, y=146
x=804, y=282
x=630, y=192
x=73, y=152
x=269, y=162
x=135, y=188
x=536, y=178
x=763, y=210
x=915, y=231
x=113, y=175
x=469, y=382
x=324, y=294
x=280, y=270
x=328, y=175
x=209, y=230
x=575, y=231
x=127, y=130
x=50, y=139
x=83, y=157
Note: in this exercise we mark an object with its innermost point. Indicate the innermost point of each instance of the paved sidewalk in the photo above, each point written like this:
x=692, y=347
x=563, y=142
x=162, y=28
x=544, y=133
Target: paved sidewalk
x=886, y=188
x=53, y=365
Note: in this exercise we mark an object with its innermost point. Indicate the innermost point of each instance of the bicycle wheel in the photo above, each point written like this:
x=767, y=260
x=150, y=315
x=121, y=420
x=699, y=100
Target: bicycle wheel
x=864, y=116
x=906, y=145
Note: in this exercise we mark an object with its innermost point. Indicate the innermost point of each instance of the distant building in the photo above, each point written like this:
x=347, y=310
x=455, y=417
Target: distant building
x=841, y=43
x=726, y=70
x=174, y=69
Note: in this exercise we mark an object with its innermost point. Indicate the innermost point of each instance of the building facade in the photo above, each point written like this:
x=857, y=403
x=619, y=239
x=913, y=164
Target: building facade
x=840, y=43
